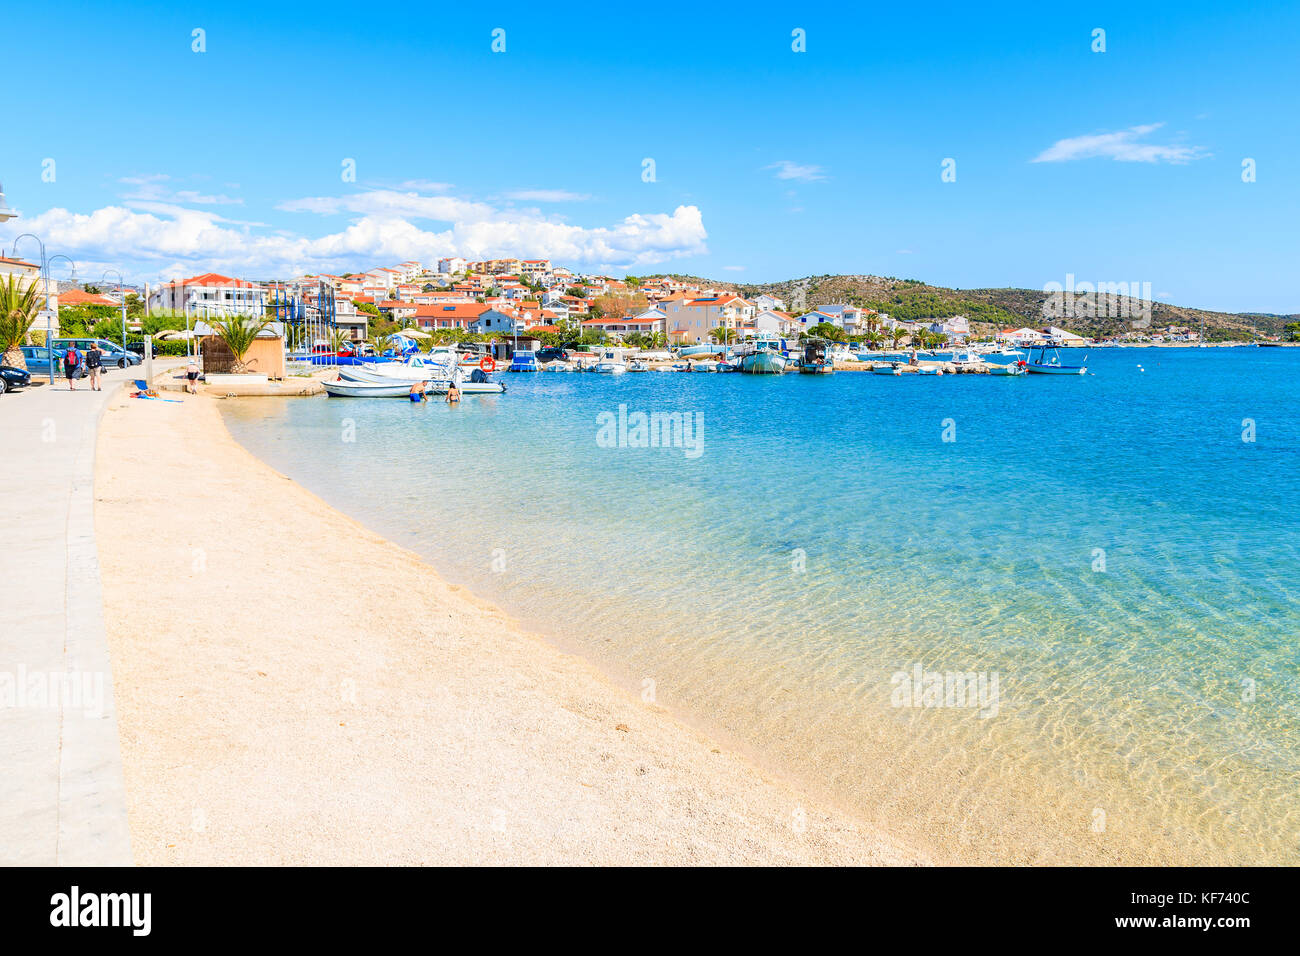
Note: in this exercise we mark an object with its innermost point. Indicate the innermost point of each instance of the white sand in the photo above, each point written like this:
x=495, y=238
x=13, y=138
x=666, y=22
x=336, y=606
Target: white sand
x=293, y=688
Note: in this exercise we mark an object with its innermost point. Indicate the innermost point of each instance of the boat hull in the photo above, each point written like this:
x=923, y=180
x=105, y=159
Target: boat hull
x=1057, y=369
x=347, y=389
x=764, y=363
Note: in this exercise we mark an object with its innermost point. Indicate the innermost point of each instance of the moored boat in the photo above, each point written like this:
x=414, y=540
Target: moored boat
x=816, y=359
x=342, y=388
x=1044, y=363
x=765, y=359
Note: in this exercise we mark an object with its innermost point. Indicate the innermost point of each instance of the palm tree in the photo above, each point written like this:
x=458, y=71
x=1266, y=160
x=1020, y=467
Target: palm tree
x=238, y=334
x=18, y=308
x=723, y=335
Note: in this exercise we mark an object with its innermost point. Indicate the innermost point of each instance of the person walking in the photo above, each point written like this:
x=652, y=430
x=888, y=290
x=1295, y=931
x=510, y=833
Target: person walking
x=94, y=365
x=192, y=377
x=71, y=362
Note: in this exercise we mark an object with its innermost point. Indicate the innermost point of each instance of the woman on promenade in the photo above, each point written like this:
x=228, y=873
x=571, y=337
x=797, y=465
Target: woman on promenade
x=191, y=378
x=71, y=362
x=93, y=366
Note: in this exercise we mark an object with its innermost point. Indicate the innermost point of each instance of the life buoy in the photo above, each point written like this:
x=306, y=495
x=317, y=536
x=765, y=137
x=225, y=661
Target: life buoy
x=487, y=363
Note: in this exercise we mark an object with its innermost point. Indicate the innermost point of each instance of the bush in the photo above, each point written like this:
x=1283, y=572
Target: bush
x=166, y=348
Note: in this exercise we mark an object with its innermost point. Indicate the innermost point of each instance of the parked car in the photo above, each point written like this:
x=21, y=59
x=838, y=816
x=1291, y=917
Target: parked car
x=37, y=358
x=552, y=353
x=11, y=377
x=113, y=353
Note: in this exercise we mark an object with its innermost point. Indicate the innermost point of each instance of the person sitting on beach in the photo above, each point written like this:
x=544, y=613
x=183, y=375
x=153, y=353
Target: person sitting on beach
x=71, y=362
x=93, y=365
x=417, y=391
x=191, y=378
x=453, y=394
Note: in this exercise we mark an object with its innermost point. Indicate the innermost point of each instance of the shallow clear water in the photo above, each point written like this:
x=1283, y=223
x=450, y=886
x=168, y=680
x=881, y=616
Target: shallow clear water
x=1108, y=545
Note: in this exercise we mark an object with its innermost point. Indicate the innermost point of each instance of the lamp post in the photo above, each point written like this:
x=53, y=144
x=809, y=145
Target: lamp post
x=5, y=212
x=49, y=316
x=45, y=281
x=121, y=296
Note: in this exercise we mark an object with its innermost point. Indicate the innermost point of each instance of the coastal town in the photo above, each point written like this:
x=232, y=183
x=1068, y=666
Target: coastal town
x=507, y=305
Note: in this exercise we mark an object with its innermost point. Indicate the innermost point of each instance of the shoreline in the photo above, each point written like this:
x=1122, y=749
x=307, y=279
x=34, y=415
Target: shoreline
x=326, y=697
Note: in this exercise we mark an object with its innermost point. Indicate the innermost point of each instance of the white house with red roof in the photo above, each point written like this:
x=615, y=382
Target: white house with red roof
x=210, y=294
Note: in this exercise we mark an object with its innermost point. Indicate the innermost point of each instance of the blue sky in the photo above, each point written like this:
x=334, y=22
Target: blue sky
x=769, y=164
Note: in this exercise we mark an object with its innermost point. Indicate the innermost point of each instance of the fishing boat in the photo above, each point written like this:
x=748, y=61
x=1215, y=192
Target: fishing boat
x=1015, y=368
x=816, y=358
x=728, y=367
x=635, y=366
x=708, y=365
x=893, y=368
x=766, y=358
x=342, y=388
x=609, y=368
x=1045, y=359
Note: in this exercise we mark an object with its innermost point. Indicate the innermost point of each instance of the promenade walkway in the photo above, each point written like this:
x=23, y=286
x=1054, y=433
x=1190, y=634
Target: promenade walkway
x=62, y=797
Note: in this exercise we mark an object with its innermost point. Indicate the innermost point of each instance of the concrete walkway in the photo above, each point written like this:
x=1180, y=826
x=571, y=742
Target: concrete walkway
x=62, y=797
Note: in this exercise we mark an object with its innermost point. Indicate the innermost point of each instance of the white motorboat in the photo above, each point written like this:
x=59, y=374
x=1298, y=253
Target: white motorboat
x=609, y=368
x=340, y=388
x=1051, y=364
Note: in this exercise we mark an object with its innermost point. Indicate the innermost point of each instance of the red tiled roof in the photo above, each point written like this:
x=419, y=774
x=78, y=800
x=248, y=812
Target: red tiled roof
x=77, y=297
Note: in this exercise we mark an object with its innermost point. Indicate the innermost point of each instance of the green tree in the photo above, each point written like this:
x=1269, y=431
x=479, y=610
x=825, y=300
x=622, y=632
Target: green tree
x=18, y=308
x=828, y=330
x=238, y=334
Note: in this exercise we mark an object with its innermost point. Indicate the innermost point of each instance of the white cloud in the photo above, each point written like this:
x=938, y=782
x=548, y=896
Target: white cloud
x=546, y=195
x=734, y=268
x=167, y=240
x=150, y=189
x=786, y=169
x=426, y=185
x=1122, y=146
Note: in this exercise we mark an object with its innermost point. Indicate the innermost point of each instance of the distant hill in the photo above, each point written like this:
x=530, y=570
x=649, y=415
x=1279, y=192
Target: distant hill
x=911, y=299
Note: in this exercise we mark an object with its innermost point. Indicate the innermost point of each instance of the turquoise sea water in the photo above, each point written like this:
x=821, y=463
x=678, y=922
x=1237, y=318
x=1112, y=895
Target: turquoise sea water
x=1109, y=546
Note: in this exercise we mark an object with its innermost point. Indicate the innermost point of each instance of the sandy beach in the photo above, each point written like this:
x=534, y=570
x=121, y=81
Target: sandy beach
x=294, y=689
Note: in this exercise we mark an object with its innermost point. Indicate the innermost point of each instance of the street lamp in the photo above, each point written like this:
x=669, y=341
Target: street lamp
x=5, y=212
x=49, y=316
x=122, y=297
x=45, y=280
